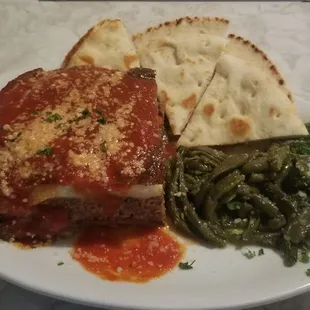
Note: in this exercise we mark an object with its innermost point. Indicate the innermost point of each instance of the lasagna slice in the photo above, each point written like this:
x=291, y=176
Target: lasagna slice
x=78, y=147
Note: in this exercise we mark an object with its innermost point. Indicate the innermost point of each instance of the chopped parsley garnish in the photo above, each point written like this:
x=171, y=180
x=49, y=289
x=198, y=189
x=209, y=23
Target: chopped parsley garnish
x=60, y=263
x=102, y=120
x=53, y=117
x=46, y=150
x=35, y=112
x=308, y=272
x=98, y=111
x=85, y=113
x=261, y=252
x=103, y=147
x=249, y=254
x=186, y=265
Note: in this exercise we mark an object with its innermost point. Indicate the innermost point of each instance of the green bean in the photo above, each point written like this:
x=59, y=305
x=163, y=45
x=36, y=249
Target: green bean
x=229, y=164
x=217, y=229
x=277, y=155
x=212, y=151
x=200, y=158
x=220, y=189
x=203, y=227
x=229, y=196
x=181, y=150
x=266, y=239
x=234, y=234
x=290, y=253
x=225, y=185
x=277, y=222
x=187, y=159
x=196, y=165
x=211, y=154
x=286, y=205
x=232, y=223
x=192, y=183
x=284, y=172
x=246, y=191
x=244, y=198
x=190, y=179
x=207, y=231
x=209, y=161
x=245, y=209
x=203, y=191
x=264, y=205
x=209, y=209
x=195, y=189
x=257, y=165
x=252, y=228
x=256, y=178
x=301, y=200
x=171, y=205
x=298, y=227
x=302, y=165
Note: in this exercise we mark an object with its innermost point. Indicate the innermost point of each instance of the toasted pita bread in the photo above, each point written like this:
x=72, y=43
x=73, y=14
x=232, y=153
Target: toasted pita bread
x=241, y=103
x=183, y=53
x=246, y=50
x=107, y=44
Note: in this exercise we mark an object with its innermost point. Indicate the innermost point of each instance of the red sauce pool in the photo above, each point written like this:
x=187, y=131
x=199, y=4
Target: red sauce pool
x=128, y=254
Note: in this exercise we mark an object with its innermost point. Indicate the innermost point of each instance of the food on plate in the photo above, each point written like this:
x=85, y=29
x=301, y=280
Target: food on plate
x=183, y=53
x=85, y=146
x=256, y=193
x=107, y=44
x=254, y=56
x=128, y=254
x=247, y=99
x=78, y=147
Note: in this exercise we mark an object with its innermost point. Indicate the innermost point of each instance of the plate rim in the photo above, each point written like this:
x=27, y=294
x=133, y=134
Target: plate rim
x=24, y=283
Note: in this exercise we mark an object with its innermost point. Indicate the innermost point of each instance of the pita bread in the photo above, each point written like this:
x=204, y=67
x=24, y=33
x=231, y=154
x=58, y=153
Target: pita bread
x=246, y=50
x=241, y=103
x=183, y=53
x=107, y=44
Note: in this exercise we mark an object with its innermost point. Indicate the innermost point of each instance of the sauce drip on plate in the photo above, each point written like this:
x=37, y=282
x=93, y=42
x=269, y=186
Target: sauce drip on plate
x=128, y=254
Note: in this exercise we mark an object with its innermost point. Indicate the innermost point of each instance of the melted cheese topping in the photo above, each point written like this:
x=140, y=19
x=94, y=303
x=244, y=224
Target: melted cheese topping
x=68, y=126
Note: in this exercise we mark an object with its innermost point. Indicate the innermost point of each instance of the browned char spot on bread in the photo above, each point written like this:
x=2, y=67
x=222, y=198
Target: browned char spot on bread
x=208, y=109
x=177, y=22
x=190, y=102
x=272, y=67
x=239, y=127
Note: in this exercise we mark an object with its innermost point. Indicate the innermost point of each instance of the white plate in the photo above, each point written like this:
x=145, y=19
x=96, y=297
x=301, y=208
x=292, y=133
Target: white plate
x=39, y=35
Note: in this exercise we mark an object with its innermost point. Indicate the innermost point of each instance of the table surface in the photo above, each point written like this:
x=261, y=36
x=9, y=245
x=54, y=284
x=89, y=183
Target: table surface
x=22, y=21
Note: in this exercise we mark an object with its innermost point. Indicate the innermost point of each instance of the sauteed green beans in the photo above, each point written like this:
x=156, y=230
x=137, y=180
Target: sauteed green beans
x=261, y=198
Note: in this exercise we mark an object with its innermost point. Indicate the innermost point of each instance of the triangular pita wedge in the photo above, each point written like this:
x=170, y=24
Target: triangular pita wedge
x=244, y=101
x=246, y=50
x=107, y=44
x=183, y=53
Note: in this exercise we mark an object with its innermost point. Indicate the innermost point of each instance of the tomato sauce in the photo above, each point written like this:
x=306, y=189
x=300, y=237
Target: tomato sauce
x=170, y=149
x=128, y=254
